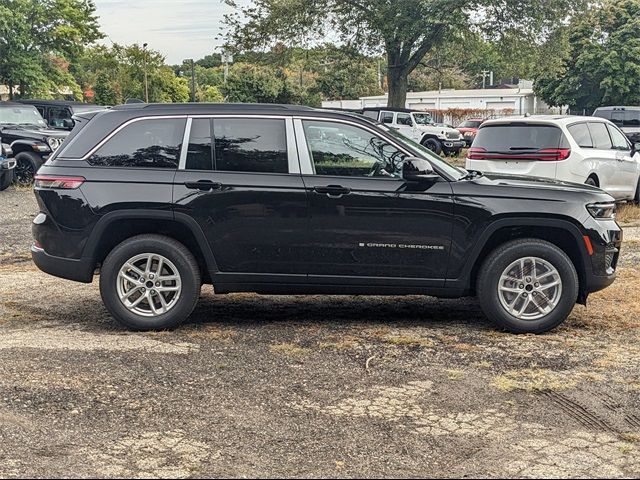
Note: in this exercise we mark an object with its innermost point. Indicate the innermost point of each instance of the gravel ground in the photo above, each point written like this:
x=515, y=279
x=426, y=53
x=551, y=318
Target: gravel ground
x=276, y=386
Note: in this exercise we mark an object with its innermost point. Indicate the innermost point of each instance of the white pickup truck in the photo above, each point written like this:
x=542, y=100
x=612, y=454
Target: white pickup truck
x=419, y=127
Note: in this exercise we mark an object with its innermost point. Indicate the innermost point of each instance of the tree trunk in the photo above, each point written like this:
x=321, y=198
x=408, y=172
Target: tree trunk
x=10, y=84
x=397, y=80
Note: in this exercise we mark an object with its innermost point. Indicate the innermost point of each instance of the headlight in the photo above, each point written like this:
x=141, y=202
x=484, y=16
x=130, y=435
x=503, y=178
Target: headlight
x=54, y=143
x=41, y=147
x=602, y=211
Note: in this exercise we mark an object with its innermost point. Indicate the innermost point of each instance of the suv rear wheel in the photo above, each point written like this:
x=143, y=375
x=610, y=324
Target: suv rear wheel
x=527, y=286
x=27, y=164
x=150, y=282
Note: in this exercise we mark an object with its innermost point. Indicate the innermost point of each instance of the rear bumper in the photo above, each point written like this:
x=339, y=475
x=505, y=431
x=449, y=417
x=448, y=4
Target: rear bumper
x=79, y=270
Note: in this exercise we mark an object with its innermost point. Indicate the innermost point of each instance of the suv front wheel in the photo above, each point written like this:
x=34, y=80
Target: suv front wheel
x=150, y=282
x=527, y=286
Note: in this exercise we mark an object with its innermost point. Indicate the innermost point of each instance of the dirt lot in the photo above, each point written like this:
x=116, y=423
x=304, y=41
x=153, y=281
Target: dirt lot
x=310, y=386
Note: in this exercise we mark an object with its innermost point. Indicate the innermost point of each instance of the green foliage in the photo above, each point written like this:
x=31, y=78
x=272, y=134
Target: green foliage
x=252, y=84
x=209, y=93
x=600, y=64
x=36, y=34
x=105, y=94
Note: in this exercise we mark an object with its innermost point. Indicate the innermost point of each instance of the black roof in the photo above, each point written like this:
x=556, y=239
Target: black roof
x=51, y=102
x=190, y=107
x=9, y=103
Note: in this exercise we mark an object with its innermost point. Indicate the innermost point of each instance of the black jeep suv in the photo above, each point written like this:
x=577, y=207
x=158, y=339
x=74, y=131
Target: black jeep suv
x=292, y=200
x=32, y=141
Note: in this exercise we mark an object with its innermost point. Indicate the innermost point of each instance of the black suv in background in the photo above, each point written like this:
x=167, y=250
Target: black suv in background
x=59, y=113
x=32, y=141
x=292, y=200
x=7, y=164
x=626, y=119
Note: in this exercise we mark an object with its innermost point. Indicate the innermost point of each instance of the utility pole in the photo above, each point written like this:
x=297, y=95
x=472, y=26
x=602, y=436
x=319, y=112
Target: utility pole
x=144, y=68
x=193, y=80
x=484, y=78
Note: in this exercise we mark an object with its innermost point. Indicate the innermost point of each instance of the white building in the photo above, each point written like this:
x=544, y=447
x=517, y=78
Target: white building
x=483, y=102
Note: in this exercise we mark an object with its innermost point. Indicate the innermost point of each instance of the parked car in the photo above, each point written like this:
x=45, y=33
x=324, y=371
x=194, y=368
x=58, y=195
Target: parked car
x=626, y=119
x=469, y=129
x=292, y=200
x=24, y=129
x=418, y=126
x=572, y=149
x=7, y=164
x=59, y=113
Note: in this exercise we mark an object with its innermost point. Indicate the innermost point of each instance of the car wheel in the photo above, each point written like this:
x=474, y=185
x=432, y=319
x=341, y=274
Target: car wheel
x=527, y=286
x=150, y=282
x=434, y=145
x=6, y=178
x=27, y=164
x=636, y=198
x=591, y=181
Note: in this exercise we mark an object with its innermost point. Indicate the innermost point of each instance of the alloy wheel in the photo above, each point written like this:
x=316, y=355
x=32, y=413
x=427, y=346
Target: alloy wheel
x=530, y=288
x=149, y=284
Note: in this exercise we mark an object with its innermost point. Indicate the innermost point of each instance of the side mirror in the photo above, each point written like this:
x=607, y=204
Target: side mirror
x=5, y=150
x=635, y=148
x=419, y=170
x=68, y=123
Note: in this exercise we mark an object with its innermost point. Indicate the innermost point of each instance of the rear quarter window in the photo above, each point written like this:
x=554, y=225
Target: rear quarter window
x=510, y=137
x=149, y=143
x=581, y=135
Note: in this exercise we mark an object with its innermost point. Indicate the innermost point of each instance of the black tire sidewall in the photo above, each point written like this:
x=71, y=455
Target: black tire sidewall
x=495, y=265
x=592, y=182
x=178, y=255
x=32, y=159
x=435, y=143
x=6, y=179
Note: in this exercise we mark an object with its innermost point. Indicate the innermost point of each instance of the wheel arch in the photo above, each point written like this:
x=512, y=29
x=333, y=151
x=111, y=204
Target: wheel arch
x=115, y=227
x=562, y=233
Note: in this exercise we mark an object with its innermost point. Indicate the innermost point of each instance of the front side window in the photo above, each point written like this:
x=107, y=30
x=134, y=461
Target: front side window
x=338, y=149
x=149, y=143
x=600, y=136
x=404, y=119
x=250, y=145
x=618, y=138
x=57, y=117
x=582, y=136
x=423, y=118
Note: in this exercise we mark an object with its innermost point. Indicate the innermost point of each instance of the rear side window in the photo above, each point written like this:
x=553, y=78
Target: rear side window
x=580, y=133
x=150, y=143
x=200, y=153
x=600, y=136
x=509, y=138
x=386, y=117
x=250, y=145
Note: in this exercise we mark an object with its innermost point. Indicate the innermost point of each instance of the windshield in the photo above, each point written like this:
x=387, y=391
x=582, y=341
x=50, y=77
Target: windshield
x=427, y=154
x=470, y=124
x=22, y=115
x=422, y=118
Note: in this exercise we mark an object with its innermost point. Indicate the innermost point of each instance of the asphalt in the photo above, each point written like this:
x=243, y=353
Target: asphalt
x=314, y=386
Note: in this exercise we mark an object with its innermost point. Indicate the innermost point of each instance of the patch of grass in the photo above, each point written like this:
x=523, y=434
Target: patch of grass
x=630, y=437
x=213, y=332
x=408, y=341
x=628, y=213
x=289, y=349
x=532, y=380
x=455, y=374
x=345, y=343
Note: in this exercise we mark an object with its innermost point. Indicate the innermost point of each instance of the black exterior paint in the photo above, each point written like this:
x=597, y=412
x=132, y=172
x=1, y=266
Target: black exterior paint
x=290, y=233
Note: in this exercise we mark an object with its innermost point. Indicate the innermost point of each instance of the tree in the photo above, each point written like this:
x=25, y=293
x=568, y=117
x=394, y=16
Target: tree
x=105, y=94
x=252, y=83
x=35, y=34
x=406, y=30
x=600, y=63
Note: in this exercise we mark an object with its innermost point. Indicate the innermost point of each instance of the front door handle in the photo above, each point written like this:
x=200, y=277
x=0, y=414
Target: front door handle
x=332, y=190
x=204, y=185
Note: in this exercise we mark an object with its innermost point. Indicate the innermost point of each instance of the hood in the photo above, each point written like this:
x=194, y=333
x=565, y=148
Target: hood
x=33, y=131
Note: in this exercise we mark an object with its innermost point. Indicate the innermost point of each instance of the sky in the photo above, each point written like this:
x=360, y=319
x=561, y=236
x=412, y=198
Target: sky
x=179, y=29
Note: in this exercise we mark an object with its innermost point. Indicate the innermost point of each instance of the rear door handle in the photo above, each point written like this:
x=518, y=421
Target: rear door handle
x=332, y=190
x=204, y=185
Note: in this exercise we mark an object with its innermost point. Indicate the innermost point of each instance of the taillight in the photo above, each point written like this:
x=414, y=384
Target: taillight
x=544, y=155
x=60, y=182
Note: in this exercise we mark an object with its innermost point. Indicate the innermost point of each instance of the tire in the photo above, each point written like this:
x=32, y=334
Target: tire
x=592, y=182
x=434, y=145
x=180, y=301
x=6, y=179
x=636, y=198
x=546, y=254
x=27, y=164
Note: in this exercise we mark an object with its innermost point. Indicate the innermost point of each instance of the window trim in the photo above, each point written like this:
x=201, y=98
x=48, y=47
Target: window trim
x=585, y=123
x=290, y=139
x=306, y=163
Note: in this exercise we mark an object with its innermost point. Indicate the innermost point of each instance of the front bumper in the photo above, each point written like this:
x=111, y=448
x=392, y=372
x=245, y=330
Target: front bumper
x=79, y=270
x=451, y=145
x=7, y=163
x=607, y=243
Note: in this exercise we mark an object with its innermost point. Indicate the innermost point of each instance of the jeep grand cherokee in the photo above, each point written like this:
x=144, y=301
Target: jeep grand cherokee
x=273, y=199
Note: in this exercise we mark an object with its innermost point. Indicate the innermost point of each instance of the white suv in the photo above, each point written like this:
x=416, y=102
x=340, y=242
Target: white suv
x=574, y=149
